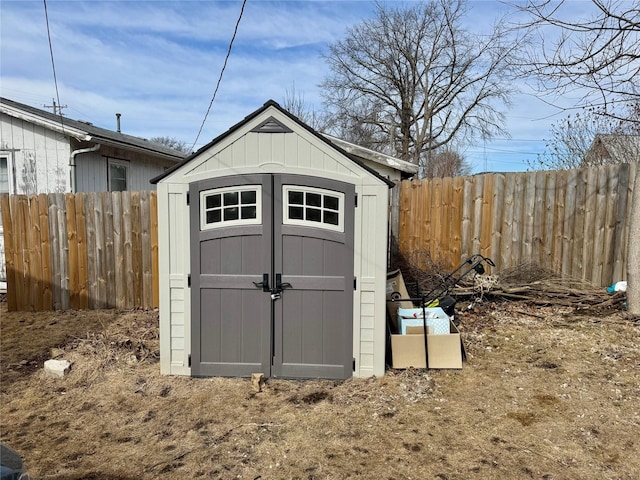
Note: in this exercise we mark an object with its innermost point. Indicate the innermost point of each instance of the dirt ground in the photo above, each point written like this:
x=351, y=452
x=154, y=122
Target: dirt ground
x=546, y=393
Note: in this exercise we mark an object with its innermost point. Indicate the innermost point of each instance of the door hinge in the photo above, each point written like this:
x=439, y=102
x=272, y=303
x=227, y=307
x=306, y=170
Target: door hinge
x=189, y=360
x=189, y=280
x=354, y=363
x=355, y=283
x=188, y=199
x=356, y=201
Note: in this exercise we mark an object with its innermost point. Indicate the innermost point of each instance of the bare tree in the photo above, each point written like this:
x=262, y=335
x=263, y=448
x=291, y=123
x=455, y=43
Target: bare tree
x=295, y=104
x=171, y=142
x=361, y=124
x=414, y=79
x=599, y=56
x=445, y=163
x=586, y=138
x=596, y=56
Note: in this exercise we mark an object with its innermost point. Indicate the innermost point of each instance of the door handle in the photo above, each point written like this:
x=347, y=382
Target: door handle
x=279, y=285
x=264, y=284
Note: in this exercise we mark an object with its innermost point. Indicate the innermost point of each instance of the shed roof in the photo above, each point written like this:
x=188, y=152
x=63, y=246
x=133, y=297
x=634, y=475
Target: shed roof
x=271, y=103
x=85, y=131
x=406, y=168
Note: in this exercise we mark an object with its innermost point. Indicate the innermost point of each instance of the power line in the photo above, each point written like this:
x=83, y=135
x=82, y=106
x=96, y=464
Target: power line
x=53, y=66
x=56, y=107
x=224, y=66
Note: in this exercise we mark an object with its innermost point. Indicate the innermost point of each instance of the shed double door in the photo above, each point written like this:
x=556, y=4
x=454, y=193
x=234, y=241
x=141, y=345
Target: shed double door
x=272, y=276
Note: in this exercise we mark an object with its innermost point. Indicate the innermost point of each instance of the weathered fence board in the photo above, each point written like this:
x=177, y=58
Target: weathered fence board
x=81, y=251
x=45, y=242
x=574, y=222
x=109, y=249
x=127, y=247
x=83, y=267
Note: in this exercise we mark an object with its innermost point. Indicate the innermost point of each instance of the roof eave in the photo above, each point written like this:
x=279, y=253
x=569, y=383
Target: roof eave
x=373, y=156
x=59, y=127
x=136, y=148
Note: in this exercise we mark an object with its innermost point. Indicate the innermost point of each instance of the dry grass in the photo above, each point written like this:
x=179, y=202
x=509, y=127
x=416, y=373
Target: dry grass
x=545, y=394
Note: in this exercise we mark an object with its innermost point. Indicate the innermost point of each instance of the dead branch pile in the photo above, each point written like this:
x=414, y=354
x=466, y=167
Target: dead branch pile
x=421, y=273
x=539, y=286
x=526, y=283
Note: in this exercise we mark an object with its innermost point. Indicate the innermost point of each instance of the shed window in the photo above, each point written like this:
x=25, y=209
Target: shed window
x=230, y=206
x=313, y=207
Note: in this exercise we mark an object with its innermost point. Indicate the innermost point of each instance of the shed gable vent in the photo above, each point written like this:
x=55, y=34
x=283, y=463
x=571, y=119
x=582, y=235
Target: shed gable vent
x=271, y=125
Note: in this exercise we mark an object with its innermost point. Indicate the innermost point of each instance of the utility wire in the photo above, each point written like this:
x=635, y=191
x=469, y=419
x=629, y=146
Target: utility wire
x=53, y=65
x=224, y=66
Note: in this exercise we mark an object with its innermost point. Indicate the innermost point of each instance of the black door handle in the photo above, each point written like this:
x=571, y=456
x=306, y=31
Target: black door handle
x=264, y=284
x=279, y=285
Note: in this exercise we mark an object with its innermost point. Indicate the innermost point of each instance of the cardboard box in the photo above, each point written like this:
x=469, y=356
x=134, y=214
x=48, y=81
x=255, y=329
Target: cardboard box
x=444, y=351
x=436, y=318
x=396, y=288
x=419, y=330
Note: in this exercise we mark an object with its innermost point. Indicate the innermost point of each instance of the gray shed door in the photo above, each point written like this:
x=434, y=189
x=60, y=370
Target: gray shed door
x=272, y=276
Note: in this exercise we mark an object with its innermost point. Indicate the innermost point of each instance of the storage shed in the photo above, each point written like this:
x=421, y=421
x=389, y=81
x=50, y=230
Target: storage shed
x=273, y=250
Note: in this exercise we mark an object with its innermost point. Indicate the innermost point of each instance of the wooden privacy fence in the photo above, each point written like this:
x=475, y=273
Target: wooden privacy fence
x=84, y=250
x=574, y=222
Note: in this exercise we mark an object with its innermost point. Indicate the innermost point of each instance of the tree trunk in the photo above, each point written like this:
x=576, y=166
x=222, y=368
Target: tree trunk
x=633, y=250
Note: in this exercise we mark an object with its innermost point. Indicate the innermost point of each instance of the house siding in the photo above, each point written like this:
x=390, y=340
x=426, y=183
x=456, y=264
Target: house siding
x=39, y=157
x=92, y=169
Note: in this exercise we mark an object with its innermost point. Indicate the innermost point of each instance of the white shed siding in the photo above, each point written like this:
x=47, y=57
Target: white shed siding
x=300, y=156
x=40, y=157
x=371, y=247
x=301, y=153
x=174, y=266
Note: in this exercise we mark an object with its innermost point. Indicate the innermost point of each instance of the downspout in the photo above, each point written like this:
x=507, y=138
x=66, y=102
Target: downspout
x=72, y=163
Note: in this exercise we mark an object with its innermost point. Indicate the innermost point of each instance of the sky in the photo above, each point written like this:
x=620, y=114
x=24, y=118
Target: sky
x=157, y=62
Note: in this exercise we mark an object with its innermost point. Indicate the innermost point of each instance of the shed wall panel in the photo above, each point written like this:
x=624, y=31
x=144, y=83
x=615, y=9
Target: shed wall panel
x=174, y=309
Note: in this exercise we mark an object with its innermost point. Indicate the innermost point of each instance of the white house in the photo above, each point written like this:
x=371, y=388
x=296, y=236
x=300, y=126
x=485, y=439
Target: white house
x=45, y=153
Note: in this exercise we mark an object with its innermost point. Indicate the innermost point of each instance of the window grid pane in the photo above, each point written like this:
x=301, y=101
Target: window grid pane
x=314, y=199
x=331, y=218
x=231, y=213
x=248, y=198
x=231, y=198
x=314, y=207
x=240, y=206
x=296, y=198
x=213, y=216
x=314, y=215
x=214, y=201
x=296, y=213
x=248, y=212
x=332, y=203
